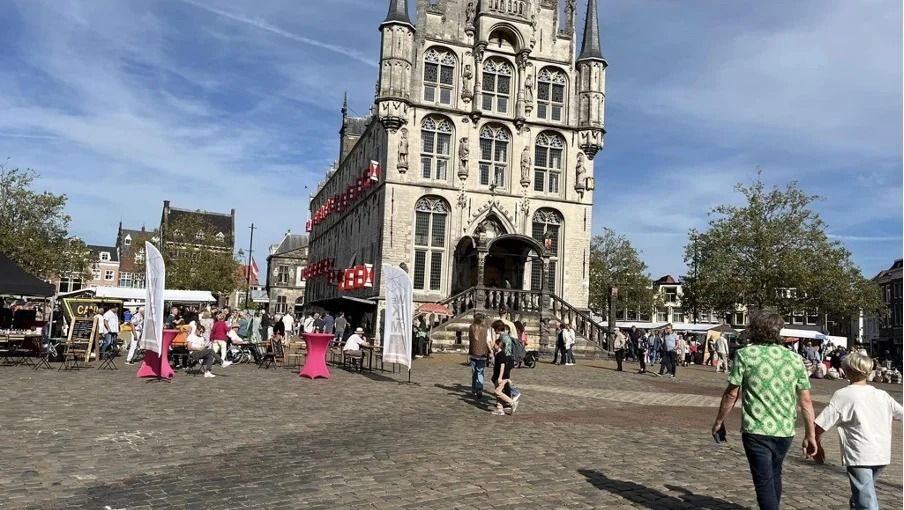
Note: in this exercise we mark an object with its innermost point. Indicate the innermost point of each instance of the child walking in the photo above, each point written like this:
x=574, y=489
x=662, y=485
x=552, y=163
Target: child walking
x=863, y=415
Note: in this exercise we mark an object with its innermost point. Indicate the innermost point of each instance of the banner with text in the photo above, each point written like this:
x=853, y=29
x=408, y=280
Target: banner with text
x=398, y=315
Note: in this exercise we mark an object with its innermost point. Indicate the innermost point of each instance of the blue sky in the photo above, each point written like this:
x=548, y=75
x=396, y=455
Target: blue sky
x=235, y=103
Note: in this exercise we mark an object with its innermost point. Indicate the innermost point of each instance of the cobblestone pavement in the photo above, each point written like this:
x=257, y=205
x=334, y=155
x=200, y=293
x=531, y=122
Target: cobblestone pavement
x=583, y=437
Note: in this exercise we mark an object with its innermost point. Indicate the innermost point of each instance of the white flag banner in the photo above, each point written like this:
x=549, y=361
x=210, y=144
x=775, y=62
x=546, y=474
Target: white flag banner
x=398, y=316
x=155, y=276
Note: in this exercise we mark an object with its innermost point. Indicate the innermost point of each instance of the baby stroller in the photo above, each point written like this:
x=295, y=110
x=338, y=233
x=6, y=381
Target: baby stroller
x=531, y=358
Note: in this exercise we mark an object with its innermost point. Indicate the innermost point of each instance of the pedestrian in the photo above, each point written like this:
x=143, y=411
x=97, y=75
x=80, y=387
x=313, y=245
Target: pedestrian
x=772, y=380
x=502, y=369
x=478, y=352
x=682, y=351
x=670, y=351
x=200, y=350
x=289, y=323
x=721, y=354
x=643, y=347
x=256, y=327
x=279, y=327
x=560, y=344
x=568, y=339
x=318, y=323
x=328, y=323
x=137, y=322
x=520, y=344
x=111, y=325
x=863, y=415
x=340, y=326
x=656, y=349
x=266, y=323
x=619, y=346
x=218, y=336
x=307, y=324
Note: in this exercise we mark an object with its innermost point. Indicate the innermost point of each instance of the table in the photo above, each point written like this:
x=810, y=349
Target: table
x=315, y=362
x=155, y=365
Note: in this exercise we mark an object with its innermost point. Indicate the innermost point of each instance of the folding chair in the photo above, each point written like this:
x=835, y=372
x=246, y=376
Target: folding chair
x=275, y=355
x=108, y=359
x=74, y=354
x=44, y=354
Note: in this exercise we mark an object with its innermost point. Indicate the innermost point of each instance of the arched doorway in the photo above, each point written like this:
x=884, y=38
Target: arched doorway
x=465, y=275
x=299, y=306
x=507, y=259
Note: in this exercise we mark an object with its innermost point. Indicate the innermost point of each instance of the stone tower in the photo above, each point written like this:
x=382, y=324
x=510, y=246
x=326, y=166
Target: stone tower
x=396, y=49
x=591, y=68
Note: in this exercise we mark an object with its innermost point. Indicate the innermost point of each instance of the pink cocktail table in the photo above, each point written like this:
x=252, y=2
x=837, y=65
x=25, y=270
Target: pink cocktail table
x=315, y=362
x=158, y=366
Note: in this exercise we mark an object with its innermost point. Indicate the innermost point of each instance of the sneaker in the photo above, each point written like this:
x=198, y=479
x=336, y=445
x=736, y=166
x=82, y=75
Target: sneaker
x=130, y=362
x=226, y=364
x=516, y=396
x=514, y=406
x=498, y=412
x=569, y=364
x=508, y=410
x=209, y=374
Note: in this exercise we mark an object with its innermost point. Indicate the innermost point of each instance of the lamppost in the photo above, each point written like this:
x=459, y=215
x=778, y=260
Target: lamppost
x=248, y=267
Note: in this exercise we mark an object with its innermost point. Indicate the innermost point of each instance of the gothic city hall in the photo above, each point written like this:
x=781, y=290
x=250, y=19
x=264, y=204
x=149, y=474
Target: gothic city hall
x=474, y=170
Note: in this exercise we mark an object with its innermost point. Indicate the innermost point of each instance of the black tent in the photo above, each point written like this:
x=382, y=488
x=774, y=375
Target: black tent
x=16, y=282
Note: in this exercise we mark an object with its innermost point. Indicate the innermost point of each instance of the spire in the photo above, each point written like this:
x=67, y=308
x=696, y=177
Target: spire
x=591, y=49
x=345, y=105
x=398, y=13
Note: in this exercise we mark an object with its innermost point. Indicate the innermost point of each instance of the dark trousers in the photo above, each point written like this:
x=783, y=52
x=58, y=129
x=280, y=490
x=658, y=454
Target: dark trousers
x=619, y=357
x=672, y=358
x=206, y=356
x=643, y=362
x=765, y=455
x=559, y=348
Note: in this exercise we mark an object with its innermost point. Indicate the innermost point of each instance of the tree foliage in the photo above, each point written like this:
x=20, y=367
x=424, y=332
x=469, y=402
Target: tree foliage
x=196, y=260
x=615, y=263
x=773, y=252
x=34, y=228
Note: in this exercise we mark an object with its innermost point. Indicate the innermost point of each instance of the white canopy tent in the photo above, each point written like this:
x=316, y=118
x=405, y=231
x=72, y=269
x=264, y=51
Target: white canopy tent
x=814, y=335
x=130, y=294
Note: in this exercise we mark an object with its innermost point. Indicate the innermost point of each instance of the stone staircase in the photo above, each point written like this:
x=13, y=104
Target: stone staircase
x=450, y=334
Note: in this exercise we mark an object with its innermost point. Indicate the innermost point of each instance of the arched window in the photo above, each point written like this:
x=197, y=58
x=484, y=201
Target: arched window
x=436, y=147
x=430, y=221
x=439, y=75
x=494, y=149
x=497, y=85
x=549, y=152
x=551, y=84
x=546, y=228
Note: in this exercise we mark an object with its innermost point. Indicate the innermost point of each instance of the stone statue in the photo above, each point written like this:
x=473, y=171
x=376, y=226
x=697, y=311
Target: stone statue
x=466, y=86
x=463, y=153
x=525, y=166
x=403, y=150
x=529, y=84
x=579, y=173
x=470, y=14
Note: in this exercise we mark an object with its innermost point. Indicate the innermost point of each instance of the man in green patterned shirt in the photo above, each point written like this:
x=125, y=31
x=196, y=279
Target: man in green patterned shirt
x=772, y=379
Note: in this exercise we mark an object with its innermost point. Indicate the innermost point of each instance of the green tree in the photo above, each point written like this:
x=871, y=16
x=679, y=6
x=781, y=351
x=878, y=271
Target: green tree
x=615, y=263
x=34, y=228
x=772, y=252
x=196, y=260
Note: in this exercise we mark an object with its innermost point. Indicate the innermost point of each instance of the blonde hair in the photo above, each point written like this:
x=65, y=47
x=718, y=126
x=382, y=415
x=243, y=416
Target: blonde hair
x=857, y=366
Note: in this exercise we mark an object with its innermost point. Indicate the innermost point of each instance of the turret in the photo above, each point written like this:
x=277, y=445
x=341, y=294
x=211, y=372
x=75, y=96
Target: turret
x=591, y=68
x=397, y=48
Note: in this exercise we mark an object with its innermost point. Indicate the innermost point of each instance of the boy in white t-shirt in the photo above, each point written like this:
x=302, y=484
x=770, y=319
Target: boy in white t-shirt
x=864, y=417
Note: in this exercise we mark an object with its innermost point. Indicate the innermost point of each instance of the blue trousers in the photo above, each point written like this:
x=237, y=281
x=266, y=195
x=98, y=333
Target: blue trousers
x=477, y=367
x=863, y=486
x=765, y=454
x=109, y=341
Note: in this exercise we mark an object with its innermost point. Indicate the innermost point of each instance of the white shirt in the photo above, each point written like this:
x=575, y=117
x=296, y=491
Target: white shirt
x=353, y=343
x=863, y=415
x=309, y=325
x=99, y=319
x=197, y=342
x=112, y=321
x=568, y=338
x=288, y=321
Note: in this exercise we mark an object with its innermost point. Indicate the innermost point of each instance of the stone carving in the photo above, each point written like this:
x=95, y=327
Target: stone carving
x=529, y=84
x=463, y=153
x=579, y=173
x=470, y=14
x=570, y=7
x=403, y=150
x=467, y=85
x=525, y=166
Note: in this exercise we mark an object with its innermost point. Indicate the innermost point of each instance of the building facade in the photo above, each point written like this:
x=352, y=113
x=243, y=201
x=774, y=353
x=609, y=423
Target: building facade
x=485, y=125
x=890, y=283
x=105, y=266
x=285, y=274
x=212, y=231
x=130, y=245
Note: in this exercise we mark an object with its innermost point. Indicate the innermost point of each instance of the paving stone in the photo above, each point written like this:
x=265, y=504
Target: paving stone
x=583, y=437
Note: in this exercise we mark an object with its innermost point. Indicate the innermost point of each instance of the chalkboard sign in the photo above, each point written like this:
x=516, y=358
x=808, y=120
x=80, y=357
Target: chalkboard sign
x=81, y=335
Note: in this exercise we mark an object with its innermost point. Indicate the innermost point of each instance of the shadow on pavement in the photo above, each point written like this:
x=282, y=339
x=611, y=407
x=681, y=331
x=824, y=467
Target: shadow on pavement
x=464, y=394
x=652, y=498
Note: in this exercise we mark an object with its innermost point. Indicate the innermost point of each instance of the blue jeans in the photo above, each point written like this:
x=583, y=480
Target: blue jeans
x=569, y=356
x=863, y=486
x=477, y=366
x=765, y=454
x=109, y=340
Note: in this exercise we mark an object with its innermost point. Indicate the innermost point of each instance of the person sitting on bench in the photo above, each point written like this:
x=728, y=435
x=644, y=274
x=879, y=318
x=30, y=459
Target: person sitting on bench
x=353, y=345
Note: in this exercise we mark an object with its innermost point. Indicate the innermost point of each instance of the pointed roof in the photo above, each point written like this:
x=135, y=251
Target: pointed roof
x=398, y=13
x=591, y=48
